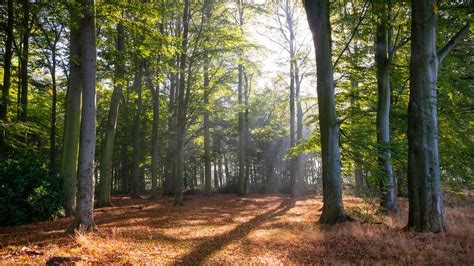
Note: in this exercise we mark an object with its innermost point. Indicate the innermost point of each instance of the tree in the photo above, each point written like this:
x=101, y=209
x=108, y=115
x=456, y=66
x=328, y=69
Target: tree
x=207, y=145
x=84, y=218
x=72, y=120
x=7, y=65
x=135, y=182
x=182, y=101
x=25, y=42
x=426, y=206
x=155, y=145
x=383, y=55
x=109, y=138
x=317, y=12
x=242, y=178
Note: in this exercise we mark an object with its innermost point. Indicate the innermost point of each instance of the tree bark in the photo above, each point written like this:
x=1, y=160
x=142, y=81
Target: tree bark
x=84, y=220
x=105, y=199
x=207, y=141
x=317, y=12
x=226, y=168
x=426, y=206
x=135, y=185
x=388, y=200
x=300, y=158
x=292, y=49
x=216, y=177
x=182, y=108
x=72, y=121
x=52, y=134
x=241, y=128
x=155, y=145
x=168, y=183
x=7, y=64
x=247, y=88
x=24, y=60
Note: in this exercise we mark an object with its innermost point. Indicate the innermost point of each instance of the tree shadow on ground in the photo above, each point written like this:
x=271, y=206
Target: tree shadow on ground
x=207, y=248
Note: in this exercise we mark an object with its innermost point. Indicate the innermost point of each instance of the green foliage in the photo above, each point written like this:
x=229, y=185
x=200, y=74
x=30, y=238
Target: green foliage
x=27, y=192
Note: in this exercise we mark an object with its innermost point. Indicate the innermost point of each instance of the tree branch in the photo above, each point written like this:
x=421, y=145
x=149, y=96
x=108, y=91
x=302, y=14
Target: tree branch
x=461, y=34
x=359, y=22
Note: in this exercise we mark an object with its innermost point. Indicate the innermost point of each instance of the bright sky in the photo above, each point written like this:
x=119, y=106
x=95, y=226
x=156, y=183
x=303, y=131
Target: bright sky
x=274, y=60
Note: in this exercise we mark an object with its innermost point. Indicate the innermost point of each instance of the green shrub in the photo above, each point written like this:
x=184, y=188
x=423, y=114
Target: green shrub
x=27, y=192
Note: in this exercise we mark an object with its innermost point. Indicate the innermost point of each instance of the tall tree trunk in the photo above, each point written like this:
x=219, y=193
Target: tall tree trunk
x=207, y=144
x=110, y=129
x=84, y=220
x=247, y=88
x=291, y=43
x=388, y=200
x=24, y=60
x=300, y=158
x=155, y=145
x=72, y=119
x=207, y=141
x=241, y=154
x=182, y=106
x=168, y=188
x=317, y=12
x=52, y=134
x=426, y=206
x=7, y=65
x=135, y=185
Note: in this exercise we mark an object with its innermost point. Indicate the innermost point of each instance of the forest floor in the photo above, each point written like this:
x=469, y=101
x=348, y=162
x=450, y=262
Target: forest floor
x=225, y=229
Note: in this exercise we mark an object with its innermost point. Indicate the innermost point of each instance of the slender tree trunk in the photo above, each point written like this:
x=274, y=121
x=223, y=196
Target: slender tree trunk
x=182, y=106
x=226, y=168
x=291, y=43
x=52, y=134
x=72, y=121
x=247, y=88
x=241, y=157
x=388, y=200
x=125, y=170
x=7, y=65
x=135, y=185
x=317, y=12
x=207, y=141
x=84, y=220
x=241, y=154
x=221, y=179
x=207, y=144
x=216, y=178
x=155, y=145
x=168, y=188
x=105, y=199
x=300, y=158
x=24, y=60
